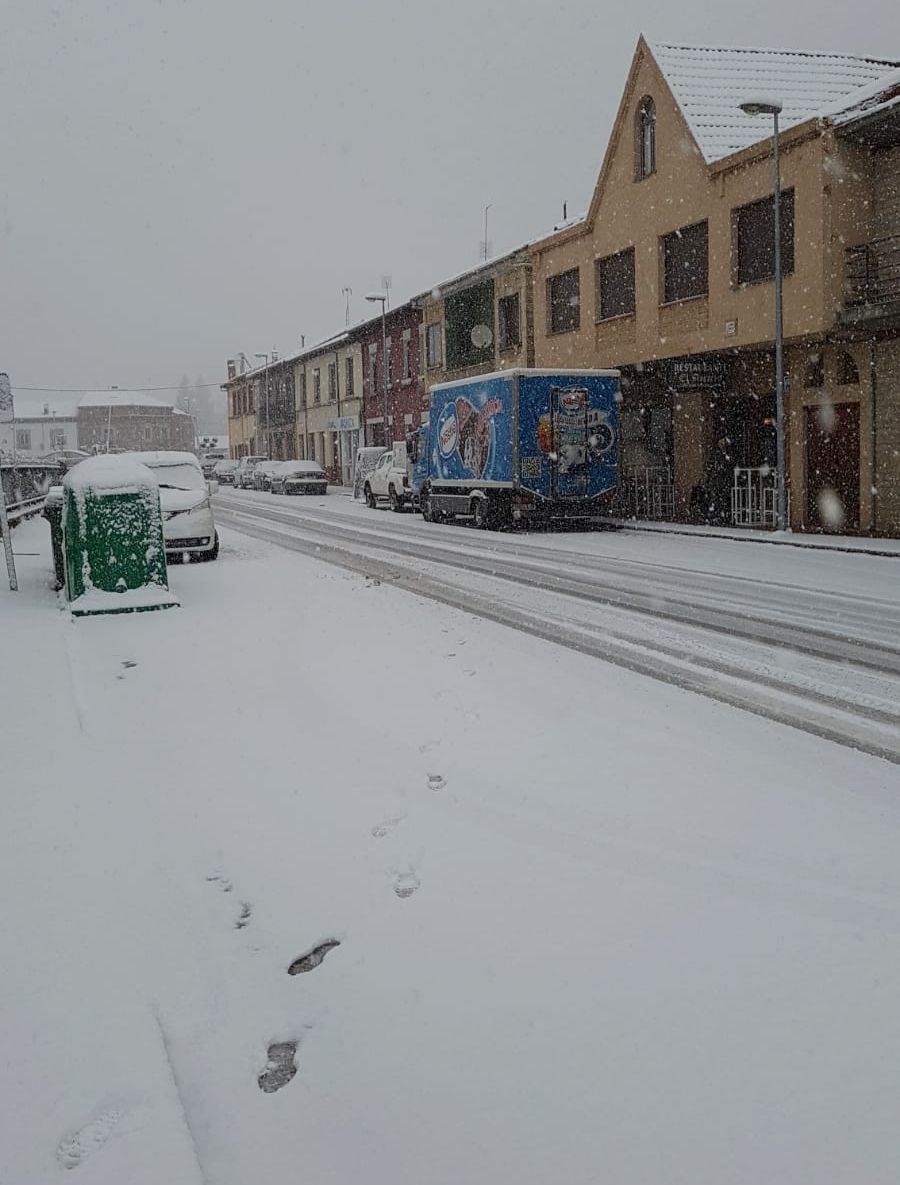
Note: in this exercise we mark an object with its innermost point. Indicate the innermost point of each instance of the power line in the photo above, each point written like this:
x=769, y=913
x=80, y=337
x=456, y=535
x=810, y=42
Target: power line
x=108, y=390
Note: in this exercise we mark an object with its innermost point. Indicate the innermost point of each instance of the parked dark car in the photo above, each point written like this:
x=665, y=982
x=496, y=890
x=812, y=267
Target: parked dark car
x=307, y=477
x=223, y=472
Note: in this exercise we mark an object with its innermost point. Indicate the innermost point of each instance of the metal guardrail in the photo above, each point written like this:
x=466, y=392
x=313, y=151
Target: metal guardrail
x=872, y=277
x=25, y=486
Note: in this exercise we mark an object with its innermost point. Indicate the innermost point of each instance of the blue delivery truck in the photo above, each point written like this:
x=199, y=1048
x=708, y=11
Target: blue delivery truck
x=518, y=445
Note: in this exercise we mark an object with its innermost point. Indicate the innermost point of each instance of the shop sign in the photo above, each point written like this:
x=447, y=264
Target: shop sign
x=697, y=374
x=344, y=424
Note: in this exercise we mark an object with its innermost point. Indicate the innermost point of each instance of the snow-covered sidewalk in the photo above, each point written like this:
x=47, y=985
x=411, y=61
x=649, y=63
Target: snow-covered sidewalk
x=591, y=927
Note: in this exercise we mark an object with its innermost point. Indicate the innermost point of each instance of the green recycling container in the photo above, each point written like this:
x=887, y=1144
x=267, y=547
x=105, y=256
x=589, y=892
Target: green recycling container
x=115, y=556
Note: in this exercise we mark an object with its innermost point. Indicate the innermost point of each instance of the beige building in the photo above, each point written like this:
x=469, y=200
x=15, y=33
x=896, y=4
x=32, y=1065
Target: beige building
x=478, y=322
x=240, y=394
x=670, y=276
x=328, y=385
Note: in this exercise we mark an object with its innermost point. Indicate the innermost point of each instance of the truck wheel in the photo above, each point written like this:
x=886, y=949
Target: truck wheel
x=396, y=504
x=427, y=511
x=370, y=499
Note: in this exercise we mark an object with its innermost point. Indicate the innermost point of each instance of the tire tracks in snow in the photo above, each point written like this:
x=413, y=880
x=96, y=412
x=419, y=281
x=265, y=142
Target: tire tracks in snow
x=864, y=727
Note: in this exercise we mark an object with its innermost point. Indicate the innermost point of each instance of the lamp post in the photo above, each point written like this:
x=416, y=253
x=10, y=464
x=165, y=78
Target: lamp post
x=268, y=442
x=382, y=296
x=773, y=107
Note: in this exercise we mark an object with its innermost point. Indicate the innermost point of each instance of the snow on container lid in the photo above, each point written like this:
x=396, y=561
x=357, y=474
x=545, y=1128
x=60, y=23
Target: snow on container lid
x=110, y=472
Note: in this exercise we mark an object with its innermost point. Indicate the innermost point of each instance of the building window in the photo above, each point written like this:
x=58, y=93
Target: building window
x=509, y=331
x=251, y=403
x=646, y=138
x=814, y=375
x=373, y=361
x=348, y=377
x=389, y=344
x=564, y=299
x=615, y=284
x=433, y=345
x=303, y=388
x=148, y=432
x=754, y=238
x=469, y=326
x=23, y=439
x=847, y=370
x=58, y=440
x=407, y=355
x=317, y=385
x=685, y=263
x=332, y=382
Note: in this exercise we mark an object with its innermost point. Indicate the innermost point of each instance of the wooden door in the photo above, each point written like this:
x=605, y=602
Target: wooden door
x=832, y=468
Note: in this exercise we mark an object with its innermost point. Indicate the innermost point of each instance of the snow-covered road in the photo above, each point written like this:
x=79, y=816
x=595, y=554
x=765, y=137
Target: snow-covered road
x=810, y=639
x=591, y=926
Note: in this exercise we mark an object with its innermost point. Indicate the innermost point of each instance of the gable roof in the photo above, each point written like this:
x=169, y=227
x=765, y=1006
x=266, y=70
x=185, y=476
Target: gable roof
x=709, y=84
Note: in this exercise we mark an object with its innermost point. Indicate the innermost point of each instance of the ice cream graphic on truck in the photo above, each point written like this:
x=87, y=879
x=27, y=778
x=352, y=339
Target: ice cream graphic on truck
x=518, y=444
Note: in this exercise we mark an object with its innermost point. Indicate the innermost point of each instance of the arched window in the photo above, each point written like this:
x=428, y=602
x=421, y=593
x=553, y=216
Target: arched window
x=847, y=370
x=646, y=137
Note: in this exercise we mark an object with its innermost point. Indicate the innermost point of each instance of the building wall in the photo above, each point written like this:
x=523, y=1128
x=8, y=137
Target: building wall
x=319, y=435
x=405, y=395
x=682, y=191
x=241, y=408
x=509, y=277
x=42, y=433
x=134, y=429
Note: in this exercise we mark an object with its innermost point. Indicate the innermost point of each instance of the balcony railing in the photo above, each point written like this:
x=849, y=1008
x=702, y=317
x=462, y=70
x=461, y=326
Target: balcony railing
x=872, y=279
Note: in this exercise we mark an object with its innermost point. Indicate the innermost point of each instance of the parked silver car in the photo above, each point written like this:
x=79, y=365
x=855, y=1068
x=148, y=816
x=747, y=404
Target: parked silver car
x=243, y=475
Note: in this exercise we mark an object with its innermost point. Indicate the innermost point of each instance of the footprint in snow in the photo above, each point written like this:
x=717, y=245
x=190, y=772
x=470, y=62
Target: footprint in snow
x=436, y=782
x=222, y=881
x=280, y=1068
x=75, y=1149
x=380, y=830
x=313, y=957
x=126, y=666
x=245, y=915
x=406, y=883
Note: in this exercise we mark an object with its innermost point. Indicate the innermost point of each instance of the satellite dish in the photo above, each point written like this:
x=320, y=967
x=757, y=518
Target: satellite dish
x=481, y=337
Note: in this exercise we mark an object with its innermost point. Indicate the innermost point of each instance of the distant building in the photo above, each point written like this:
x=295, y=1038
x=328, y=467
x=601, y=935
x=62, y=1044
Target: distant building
x=128, y=420
x=36, y=436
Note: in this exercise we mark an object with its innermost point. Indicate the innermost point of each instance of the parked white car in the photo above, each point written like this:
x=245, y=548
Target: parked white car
x=389, y=480
x=243, y=475
x=224, y=471
x=184, y=497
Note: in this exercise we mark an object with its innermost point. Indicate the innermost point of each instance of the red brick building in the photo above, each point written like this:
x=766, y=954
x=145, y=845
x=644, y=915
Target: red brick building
x=405, y=387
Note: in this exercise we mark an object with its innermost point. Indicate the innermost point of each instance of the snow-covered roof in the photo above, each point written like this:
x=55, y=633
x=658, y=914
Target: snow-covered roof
x=870, y=100
x=709, y=85
x=121, y=399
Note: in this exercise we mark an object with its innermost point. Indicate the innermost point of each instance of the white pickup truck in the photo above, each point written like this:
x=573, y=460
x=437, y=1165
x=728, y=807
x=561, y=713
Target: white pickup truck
x=389, y=480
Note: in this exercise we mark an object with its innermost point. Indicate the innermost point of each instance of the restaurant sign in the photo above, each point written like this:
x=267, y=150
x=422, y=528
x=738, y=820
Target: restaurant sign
x=697, y=374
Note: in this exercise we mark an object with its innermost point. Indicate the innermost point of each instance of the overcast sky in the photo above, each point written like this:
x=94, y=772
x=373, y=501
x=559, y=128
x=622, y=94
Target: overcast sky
x=184, y=179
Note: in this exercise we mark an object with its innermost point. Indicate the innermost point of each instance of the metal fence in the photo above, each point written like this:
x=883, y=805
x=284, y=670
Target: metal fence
x=753, y=497
x=647, y=492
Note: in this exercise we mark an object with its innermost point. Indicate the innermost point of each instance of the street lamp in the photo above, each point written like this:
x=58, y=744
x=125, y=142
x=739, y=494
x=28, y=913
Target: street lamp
x=773, y=107
x=268, y=445
x=382, y=296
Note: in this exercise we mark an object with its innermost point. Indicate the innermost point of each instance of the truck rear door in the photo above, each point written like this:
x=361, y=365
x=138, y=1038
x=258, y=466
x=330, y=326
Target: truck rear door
x=569, y=436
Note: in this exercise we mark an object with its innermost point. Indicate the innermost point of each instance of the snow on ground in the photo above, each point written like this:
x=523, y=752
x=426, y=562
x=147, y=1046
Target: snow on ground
x=591, y=927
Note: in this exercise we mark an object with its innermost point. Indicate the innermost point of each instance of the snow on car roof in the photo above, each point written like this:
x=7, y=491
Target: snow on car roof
x=710, y=83
x=301, y=467
x=110, y=471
